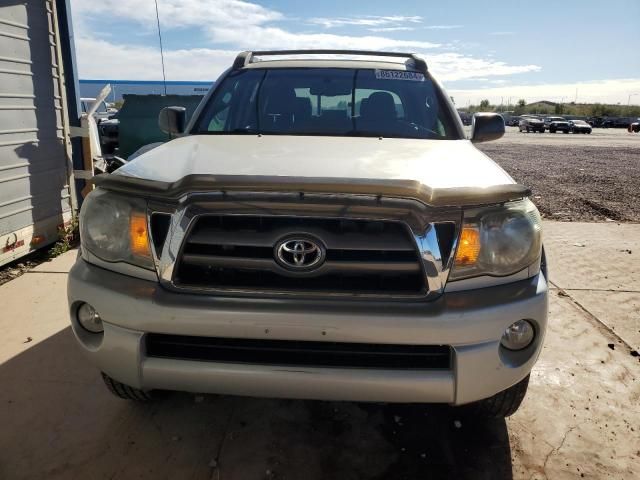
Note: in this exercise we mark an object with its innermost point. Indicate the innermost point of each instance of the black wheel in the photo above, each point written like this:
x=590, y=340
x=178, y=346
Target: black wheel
x=126, y=392
x=551, y=130
x=565, y=131
x=503, y=404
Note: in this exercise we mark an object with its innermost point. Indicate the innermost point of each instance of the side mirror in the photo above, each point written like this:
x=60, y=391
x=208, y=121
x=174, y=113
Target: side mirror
x=172, y=120
x=486, y=127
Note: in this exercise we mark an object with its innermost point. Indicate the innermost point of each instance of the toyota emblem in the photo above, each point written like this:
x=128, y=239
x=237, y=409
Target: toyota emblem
x=299, y=253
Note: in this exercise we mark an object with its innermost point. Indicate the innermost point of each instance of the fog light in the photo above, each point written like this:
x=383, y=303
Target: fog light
x=89, y=318
x=518, y=335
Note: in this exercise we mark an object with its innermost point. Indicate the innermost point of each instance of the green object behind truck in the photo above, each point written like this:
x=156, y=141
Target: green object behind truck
x=139, y=119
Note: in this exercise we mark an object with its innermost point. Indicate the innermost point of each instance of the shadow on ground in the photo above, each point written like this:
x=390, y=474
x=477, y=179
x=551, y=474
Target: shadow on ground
x=59, y=421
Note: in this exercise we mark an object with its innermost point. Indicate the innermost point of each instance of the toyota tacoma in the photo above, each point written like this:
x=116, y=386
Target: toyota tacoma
x=321, y=228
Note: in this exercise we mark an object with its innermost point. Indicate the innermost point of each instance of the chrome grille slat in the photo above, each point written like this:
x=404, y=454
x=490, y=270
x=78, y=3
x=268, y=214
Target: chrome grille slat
x=348, y=241
x=249, y=263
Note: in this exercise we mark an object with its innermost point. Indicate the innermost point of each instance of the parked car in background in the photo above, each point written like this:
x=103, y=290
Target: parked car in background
x=465, y=117
x=556, y=124
x=530, y=123
x=396, y=263
x=103, y=112
x=109, y=135
x=579, y=126
x=514, y=121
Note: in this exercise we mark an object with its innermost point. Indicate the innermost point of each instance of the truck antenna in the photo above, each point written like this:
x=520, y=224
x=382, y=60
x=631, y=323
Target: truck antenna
x=164, y=77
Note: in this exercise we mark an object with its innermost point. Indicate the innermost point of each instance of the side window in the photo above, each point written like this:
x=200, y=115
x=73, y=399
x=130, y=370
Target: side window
x=219, y=119
x=229, y=110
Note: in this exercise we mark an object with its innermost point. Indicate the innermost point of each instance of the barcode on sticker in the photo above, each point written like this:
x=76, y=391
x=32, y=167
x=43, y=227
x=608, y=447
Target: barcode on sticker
x=399, y=75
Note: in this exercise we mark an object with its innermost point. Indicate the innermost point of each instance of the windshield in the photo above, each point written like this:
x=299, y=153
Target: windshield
x=328, y=101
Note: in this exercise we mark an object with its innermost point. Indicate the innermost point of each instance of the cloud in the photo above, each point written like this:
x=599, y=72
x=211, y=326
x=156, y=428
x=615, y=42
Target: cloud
x=605, y=91
x=502, y=33
x=103, y=59
x=366, y=21
x=241, y=24
x=273, y=37
x=450, y=66
x=391, y=29
x=234, y=25
x=442, y=27
x=180, y=13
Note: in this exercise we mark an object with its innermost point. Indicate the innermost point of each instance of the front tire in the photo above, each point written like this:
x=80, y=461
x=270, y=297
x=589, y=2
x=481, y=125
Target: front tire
x=125, y=392
x=502, y=404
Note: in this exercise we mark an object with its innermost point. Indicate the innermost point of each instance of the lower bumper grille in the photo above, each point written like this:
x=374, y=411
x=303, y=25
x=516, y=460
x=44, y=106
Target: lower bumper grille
x=299, y=353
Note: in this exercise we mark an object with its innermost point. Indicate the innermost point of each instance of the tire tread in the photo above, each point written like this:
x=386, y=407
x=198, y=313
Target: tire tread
x=502, y=404
x=126, y=392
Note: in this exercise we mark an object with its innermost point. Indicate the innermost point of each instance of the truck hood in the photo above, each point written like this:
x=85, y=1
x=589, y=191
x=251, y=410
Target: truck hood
x=438, y=172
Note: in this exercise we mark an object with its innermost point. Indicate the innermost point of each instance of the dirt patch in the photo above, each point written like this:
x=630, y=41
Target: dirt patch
x=573, y=182
x=18, y=267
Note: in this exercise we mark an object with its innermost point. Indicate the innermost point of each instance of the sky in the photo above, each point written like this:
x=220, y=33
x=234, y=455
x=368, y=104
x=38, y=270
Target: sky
x=584, y=50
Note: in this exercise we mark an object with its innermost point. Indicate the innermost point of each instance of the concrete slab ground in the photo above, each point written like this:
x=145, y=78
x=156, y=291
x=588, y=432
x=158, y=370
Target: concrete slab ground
x=580, y=419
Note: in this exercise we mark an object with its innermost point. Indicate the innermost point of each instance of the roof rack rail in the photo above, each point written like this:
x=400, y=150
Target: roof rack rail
x=245, y=58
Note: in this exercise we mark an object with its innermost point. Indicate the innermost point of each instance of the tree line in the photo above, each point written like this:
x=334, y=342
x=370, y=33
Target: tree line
x=548, y=108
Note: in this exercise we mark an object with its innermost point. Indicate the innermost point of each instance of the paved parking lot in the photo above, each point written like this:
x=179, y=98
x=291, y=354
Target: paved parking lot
x=579, y=420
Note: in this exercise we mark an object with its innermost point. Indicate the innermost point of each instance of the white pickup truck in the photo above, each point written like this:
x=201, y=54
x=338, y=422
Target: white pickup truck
x=322, y=229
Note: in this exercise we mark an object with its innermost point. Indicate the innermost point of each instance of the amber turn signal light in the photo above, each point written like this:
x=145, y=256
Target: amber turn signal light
x=468, y=247
x=138, y=235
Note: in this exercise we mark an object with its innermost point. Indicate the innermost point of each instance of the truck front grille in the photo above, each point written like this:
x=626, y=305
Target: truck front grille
x=238, y=253
x=298, y=353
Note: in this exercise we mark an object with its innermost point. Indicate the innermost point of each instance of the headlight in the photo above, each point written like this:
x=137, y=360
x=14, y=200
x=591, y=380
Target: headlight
x=498, y=241
x=114, y=229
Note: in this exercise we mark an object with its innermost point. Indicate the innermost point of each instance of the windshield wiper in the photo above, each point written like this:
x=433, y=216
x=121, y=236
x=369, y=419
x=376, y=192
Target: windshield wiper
x=247, y=130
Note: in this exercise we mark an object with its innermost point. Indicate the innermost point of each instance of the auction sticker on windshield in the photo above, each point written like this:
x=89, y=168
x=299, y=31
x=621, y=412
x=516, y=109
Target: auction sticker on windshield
x=399, y=75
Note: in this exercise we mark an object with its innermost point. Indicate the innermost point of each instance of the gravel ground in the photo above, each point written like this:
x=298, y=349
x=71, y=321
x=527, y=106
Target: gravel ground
x=575, y=177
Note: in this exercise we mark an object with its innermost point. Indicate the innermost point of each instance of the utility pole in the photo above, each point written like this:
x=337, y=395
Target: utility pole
x=629, y=98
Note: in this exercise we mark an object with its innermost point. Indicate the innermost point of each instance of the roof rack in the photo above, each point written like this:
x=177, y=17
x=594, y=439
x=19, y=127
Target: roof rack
x=245, y=58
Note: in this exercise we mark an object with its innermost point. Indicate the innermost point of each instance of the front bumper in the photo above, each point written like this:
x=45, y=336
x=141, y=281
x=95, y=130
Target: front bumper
x=471, y=322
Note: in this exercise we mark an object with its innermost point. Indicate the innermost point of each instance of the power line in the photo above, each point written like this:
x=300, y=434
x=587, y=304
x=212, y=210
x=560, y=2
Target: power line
x=164, y=77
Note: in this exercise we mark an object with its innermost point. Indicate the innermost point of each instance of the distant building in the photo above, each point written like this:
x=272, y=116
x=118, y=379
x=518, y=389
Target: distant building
x=91, y=88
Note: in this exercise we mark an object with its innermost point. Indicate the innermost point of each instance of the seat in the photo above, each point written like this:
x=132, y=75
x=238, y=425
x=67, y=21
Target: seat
x=302, y=113
x=279, y=109
x=378, y=113
x=334, y=121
